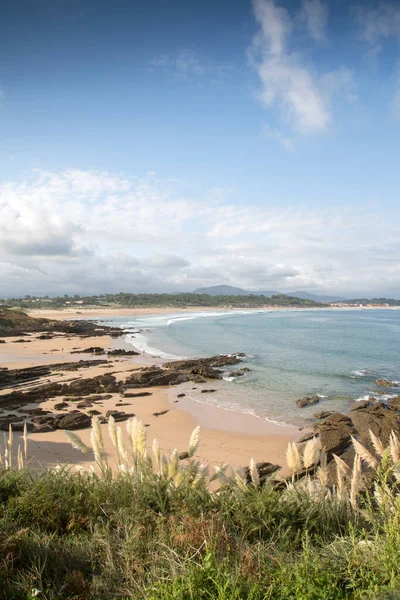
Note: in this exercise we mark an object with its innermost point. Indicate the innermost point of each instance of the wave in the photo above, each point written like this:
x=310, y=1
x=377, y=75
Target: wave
x=204, y=315
x=140, y=342
x=376, y=397
x=235, y=408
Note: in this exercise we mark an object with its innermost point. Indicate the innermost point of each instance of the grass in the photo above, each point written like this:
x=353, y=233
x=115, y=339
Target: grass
x=154, y=530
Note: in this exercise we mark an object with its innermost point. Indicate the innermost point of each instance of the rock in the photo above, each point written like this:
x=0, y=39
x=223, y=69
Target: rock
x=136, y=395
x=61, y=405
x=323, y=414
x=44, y=428
x=181, y=395
x=386, y=383
x=307, y=436
x=239, y=372
x=91, y=350
x=334, y=433
x=208, y=391
x=394, y=403
x=155, y=376
x=74, y=420
x=21, y=341
x=84, y=404
x=379, y=419
x=118, y=415
x=48, y=419
x=159, y=414
x=307, y=401
x=264, y=470
x=2, y=341
x=183, y=455
x=94, y=412
x=45, y=336
x=16, y=425
x=120, y=352
x=359, y=405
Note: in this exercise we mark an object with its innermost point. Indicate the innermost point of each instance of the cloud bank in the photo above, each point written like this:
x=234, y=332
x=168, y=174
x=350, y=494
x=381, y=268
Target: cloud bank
x=88, y=232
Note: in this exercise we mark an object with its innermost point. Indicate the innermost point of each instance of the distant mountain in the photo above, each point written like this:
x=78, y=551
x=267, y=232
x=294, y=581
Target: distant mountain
x=317, y=297
x=228, y=290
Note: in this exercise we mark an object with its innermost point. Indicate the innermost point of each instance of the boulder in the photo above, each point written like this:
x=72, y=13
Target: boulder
x=91, y=350
x=385, y=383
x=379, y=419
x=159, y=414
x=323, y=414
x=307, y=436
x=136, y=395
x=335, y=433
x=74, y=420
x=307, y=401
x=120, y=352
x=43, y=428
x=61, y=405
x=394, y=403
x=359, y=405
x=183, y=455
x=119, y=415
x=208, y=391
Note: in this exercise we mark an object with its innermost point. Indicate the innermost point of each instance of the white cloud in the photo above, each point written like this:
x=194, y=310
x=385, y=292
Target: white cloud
x=315, y=13
x=380, y=21
x=303, y=97
x=285, y=81
x=89, y=232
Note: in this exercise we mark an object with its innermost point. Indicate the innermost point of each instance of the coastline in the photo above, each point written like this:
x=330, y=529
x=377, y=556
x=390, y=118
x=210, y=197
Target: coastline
x=93, y=312
x=226, y=436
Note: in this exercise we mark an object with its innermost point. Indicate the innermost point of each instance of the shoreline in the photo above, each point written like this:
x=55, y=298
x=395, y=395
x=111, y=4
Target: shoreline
x=93, y=312
x=226, y=436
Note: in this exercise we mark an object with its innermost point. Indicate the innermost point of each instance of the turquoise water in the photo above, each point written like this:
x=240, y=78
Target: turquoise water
x=291, y=353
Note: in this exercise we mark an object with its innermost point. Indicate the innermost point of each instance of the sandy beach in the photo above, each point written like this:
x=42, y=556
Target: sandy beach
x=226, y=437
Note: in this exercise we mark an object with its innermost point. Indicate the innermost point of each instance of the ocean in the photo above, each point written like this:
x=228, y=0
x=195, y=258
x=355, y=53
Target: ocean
x=336, y=354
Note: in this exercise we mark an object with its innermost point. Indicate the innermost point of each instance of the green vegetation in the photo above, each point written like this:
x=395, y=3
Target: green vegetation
x=158, y=301
x=16, y=319
x=154, y=530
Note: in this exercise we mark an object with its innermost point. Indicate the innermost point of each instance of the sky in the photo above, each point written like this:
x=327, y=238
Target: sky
x=166, y=145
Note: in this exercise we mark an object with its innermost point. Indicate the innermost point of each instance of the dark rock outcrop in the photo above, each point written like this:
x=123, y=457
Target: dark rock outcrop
x=386, y=383
x=334, y=433
x=307, y=401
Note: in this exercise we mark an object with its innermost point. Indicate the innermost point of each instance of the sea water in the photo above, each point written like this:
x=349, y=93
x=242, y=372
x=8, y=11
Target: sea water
x=336, y=354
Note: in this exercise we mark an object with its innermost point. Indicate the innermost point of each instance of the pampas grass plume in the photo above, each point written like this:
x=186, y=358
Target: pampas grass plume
x=173, y=466
x=355, y=480
x=377, y=444
x=194, y=441
x=25, y=437
x=394, y=445
x=364, y=454
x=112, y=431
x=121, y=445
x=311, y=453
x=293, y=458
x=254, y=473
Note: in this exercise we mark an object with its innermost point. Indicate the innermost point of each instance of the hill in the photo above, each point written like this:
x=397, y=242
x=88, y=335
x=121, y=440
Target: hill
x=16, y=320
x=220, y=290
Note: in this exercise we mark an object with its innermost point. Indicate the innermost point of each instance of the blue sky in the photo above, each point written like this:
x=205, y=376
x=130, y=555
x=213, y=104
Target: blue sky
x=273, y=126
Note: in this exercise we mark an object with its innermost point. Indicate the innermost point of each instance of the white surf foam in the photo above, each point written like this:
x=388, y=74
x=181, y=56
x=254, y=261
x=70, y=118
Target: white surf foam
x=140, y=342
